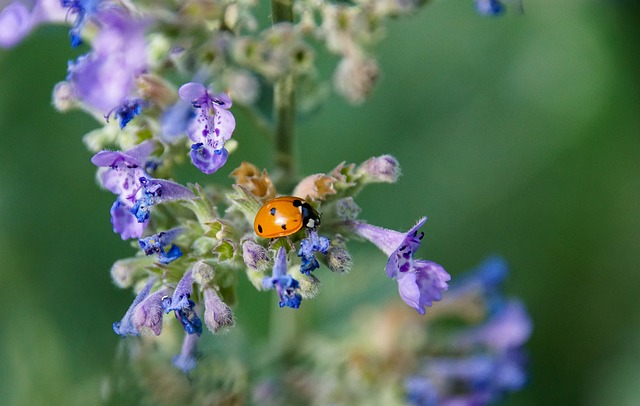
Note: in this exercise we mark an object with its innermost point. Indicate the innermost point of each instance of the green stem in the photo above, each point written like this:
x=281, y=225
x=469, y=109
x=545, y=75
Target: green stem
x=284, y=175
x=283, y=323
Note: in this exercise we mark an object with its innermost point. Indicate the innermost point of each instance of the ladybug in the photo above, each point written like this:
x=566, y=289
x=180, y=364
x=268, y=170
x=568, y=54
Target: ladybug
x=283, y=216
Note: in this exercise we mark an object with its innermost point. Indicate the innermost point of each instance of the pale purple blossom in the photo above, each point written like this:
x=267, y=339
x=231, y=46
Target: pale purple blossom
x=212, y=126
x=18, y=18
x=105, y=77
x=420, y=282
x=122, y=177
x=124, y=222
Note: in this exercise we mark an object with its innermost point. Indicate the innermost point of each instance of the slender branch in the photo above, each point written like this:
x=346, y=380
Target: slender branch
x=284, y=111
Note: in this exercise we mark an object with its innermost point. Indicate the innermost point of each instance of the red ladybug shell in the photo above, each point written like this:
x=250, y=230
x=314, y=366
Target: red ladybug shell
x=283, y=216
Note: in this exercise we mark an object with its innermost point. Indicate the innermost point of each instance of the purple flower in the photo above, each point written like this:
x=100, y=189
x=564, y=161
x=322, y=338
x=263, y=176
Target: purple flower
x=288, y=288
x=105, y=77
x=489, y=7
x=126, y=326
x=155, y=245
x=122, y=177
x=508, y=328
x=480, y=362
x=308, y=247
x=186, y=360
x=137, y=191
x=211, y=128
x=20, y=17
x=420, y=282
x=183, y=306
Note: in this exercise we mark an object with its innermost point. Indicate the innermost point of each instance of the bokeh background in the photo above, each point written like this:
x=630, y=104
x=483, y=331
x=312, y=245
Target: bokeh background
x=517, y=136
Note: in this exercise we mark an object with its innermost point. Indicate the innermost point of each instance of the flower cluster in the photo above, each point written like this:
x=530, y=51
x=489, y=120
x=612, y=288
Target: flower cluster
x=481, y=362
x=160, y=78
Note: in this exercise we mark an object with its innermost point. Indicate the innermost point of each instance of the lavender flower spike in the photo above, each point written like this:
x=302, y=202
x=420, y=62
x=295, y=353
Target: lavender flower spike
x=155, y=245
x=420, y=282
x=288, y=288
x=126, y=326
x=211, y=128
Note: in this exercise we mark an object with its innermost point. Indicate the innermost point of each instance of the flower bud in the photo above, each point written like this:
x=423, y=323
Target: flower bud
x=217, y=315
x=354, y=78
x=125, y=272
x=316, y=187
x=382, y=169
x=255, y=256
x=147, y=315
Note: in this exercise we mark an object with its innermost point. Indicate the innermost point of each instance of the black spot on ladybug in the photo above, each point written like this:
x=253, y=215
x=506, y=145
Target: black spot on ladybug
x=284, y=227
x=272, y=211
x=297, y=203
x=259, y=228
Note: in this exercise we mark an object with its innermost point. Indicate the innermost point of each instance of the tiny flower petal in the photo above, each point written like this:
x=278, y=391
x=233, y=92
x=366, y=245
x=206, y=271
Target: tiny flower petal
x=308, y=247
x=420, y=288
x=206, y=159
x=186, y=360
x=126, y=326
x=155, y=245
x=125, y=223
x=136, y=156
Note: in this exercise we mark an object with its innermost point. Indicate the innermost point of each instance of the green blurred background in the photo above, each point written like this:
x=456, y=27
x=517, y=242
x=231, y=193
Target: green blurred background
x=517, y=135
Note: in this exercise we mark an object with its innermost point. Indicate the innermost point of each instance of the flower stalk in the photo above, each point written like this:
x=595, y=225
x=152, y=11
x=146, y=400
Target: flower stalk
x=284, y=110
